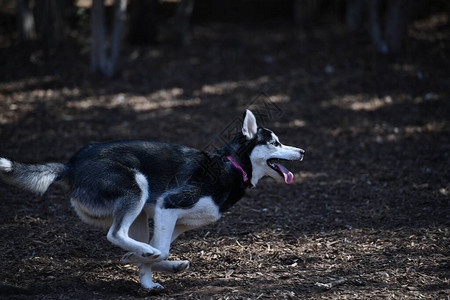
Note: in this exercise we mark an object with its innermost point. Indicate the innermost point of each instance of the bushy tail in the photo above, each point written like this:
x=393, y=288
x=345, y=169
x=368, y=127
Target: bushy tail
x=35, y=178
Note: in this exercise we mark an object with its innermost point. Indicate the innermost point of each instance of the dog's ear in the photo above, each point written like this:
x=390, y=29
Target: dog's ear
x=249, y=127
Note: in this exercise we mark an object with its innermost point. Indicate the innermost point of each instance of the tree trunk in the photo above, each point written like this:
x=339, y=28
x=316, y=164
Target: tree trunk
x=354, y=15
x=25, y=21
x=374, y=26
x=105, y=60
x=98, y=52
x=119, y=19
x=397, y=19
x=182, y=19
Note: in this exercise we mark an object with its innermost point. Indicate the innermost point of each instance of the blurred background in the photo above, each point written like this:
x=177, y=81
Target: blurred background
x=362, y=86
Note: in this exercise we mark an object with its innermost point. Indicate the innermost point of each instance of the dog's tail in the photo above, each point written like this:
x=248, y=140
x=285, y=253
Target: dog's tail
x=35, y=178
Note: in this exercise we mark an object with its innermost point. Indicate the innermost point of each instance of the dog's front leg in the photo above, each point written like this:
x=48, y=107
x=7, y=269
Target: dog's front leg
x=164, y=224
x=174, y=266
x=145, y=274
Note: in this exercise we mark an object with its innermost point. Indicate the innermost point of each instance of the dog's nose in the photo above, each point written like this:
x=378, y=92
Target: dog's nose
x=302, y=154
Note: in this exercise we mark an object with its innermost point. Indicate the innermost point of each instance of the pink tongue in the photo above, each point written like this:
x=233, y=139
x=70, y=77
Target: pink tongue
x=288, y=176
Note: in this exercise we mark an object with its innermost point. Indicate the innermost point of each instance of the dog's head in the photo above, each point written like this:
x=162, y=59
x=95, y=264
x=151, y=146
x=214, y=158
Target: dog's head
x=266, y=151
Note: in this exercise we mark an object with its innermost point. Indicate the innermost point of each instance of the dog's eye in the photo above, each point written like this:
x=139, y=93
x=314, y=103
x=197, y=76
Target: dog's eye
x=276, y=144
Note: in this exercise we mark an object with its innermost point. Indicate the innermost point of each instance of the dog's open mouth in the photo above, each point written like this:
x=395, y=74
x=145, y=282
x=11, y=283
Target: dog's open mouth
x=280, y=169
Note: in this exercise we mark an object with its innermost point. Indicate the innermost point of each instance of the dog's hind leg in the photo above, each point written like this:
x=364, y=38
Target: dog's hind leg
x=118, y=234
x=139, y=231
x=127, y=210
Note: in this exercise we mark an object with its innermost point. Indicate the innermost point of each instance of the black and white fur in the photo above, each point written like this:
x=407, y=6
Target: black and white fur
x=120, y=185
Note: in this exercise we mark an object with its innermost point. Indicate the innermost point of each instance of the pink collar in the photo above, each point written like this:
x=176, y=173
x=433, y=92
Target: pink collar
x=238, y=166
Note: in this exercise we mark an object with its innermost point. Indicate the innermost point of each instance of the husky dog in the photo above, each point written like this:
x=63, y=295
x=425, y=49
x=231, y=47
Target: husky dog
x=120, y=185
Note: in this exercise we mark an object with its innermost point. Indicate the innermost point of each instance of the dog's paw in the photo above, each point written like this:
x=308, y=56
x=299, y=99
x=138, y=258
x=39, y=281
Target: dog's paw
x=180, y=266
x=151, y=256
x=171, y=266
x=134, y=258
x=129, y=258
x=152, y=286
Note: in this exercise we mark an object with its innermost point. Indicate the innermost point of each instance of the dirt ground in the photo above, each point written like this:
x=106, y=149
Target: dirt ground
x=367, y=215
